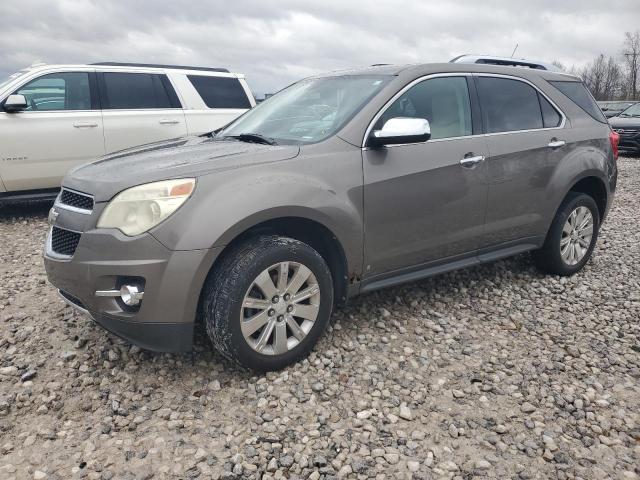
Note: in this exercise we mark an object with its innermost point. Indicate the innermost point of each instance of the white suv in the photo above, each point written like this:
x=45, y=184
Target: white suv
x=54, y=117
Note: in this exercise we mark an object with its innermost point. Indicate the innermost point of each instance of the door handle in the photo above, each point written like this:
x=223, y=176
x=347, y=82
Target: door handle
x=169, y=122
x=471, y=161
x=555, y=143
x=85, y=125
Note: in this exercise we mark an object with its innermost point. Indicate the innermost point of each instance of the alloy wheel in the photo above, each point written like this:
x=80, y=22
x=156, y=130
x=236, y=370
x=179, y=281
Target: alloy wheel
x=577, y=235
x=280, y=308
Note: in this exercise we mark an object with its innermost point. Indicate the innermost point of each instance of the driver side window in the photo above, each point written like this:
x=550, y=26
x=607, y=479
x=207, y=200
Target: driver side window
x=443, y=101
x=58, y=91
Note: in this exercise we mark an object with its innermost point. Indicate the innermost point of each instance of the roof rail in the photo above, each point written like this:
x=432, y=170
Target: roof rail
x=504, y=61
x=153, y=65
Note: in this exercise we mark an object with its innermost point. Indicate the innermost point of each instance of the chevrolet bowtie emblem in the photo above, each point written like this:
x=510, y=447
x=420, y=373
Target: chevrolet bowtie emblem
x=53, y=215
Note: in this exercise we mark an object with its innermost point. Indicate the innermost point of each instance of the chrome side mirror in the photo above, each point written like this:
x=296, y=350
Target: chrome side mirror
x=401, y=130
x=15, y=103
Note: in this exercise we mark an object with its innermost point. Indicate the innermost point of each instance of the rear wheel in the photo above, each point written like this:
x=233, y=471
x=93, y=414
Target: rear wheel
x=572, y=236
x=268, y=302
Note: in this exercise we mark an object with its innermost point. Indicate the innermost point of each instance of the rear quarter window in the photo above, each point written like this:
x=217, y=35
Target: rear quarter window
x=220, y=92
x=550, y=116
x=578, y=94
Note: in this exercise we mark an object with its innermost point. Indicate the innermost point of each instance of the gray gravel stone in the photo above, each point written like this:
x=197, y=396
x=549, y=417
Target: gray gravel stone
x=496, y=371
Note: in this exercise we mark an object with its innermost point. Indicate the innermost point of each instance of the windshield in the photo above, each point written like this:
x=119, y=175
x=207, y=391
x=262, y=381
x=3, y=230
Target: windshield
x=308, y=111
x=632, y=111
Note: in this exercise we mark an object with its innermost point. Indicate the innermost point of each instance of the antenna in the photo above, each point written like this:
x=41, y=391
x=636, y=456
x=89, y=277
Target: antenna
x=514, y=50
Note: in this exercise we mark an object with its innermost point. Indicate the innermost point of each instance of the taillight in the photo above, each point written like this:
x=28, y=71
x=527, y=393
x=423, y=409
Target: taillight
x=614, y=138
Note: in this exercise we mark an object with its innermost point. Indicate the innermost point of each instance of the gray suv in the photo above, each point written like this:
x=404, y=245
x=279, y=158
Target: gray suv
x=340, y=184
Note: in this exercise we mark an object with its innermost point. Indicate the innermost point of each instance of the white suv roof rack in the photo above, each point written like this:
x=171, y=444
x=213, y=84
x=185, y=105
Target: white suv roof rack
x=155, y=65
x=504, y=61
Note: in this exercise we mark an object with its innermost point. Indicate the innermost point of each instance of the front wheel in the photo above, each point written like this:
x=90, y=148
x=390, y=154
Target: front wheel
x=268, y=302
x=572, y=236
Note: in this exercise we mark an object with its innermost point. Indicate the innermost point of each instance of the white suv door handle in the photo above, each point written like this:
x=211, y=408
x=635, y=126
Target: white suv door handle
x=85, y=125
x=555, y=143
x=169, y=122
x=471, y=161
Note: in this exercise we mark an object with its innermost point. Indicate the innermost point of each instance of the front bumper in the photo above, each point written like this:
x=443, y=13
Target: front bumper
x=173, y=280
x=629, y=143
x=158, y=337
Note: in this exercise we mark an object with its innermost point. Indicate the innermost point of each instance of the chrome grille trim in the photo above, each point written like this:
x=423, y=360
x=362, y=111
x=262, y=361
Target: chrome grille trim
x=75, y=201
x=65, y=238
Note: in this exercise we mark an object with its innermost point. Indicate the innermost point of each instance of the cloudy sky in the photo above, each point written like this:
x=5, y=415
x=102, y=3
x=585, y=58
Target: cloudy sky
x=276, y=42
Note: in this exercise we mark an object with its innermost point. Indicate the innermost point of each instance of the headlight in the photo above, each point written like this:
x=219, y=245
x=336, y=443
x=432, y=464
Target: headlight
x=139, y=209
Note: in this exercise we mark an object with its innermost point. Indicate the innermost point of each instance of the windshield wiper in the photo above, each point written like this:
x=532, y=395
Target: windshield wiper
x=253, y=138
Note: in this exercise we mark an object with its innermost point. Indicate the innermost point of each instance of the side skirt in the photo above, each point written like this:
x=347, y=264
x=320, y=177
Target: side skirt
x=49, y=194
x=450, y=264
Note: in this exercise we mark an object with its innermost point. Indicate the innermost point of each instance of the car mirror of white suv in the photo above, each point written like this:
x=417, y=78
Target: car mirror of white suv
x=15, y=103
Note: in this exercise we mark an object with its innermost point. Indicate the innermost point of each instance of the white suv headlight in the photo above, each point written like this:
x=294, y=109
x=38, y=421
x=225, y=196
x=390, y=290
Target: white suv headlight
x=139, y=209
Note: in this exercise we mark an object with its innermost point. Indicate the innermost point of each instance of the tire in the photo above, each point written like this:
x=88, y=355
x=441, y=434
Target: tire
x=233, y=284
x=549, y=258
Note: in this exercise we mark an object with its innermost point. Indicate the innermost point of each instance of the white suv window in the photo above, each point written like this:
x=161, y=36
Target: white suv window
x=58, y=91
x=132, y=91
x=220, y=92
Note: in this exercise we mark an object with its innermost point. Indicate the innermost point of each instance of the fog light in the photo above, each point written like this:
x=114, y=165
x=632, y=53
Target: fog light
x=130, y=294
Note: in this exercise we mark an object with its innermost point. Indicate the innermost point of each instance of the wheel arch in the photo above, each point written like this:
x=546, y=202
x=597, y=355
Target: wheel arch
x=596, y=188
x=589, y=183
x=308, y=230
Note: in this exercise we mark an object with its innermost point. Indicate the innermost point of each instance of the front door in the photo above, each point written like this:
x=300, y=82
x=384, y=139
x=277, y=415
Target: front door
x=60, y=128
x=426, y=202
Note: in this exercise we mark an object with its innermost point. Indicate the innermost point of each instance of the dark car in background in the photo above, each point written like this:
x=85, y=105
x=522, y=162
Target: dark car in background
x=614, y=108
x=627, y=125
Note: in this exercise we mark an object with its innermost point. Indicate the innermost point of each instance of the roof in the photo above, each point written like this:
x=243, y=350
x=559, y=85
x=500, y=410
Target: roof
x=417, y=70
x=44, y=67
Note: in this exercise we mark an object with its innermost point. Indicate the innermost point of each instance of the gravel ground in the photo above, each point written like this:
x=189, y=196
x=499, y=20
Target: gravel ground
x=495, y=371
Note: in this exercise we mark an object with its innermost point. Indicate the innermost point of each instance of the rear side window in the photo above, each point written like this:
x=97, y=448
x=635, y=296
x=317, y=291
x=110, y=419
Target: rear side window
x=137, y=91
x=220, y=92
x=508, y=105
x=578, y=93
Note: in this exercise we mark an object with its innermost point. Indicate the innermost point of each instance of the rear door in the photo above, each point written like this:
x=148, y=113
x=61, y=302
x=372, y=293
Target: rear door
x=61, y=128
x=426, y=202
x=525, y=139
x=139, y=108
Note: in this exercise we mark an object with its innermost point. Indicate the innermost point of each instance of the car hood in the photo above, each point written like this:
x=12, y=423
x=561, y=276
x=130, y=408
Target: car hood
x=622, y=122
x=179, y=158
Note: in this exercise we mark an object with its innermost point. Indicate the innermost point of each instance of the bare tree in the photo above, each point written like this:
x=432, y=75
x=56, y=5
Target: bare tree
x=631, y=56
x=613, y=79
x=603, y=77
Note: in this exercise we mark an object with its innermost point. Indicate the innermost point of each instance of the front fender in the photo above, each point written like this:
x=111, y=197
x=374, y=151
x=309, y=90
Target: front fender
x=225, y=204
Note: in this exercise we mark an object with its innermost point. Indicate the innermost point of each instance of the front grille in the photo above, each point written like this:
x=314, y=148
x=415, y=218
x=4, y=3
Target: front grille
x=76, y=199
x=64, y=242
